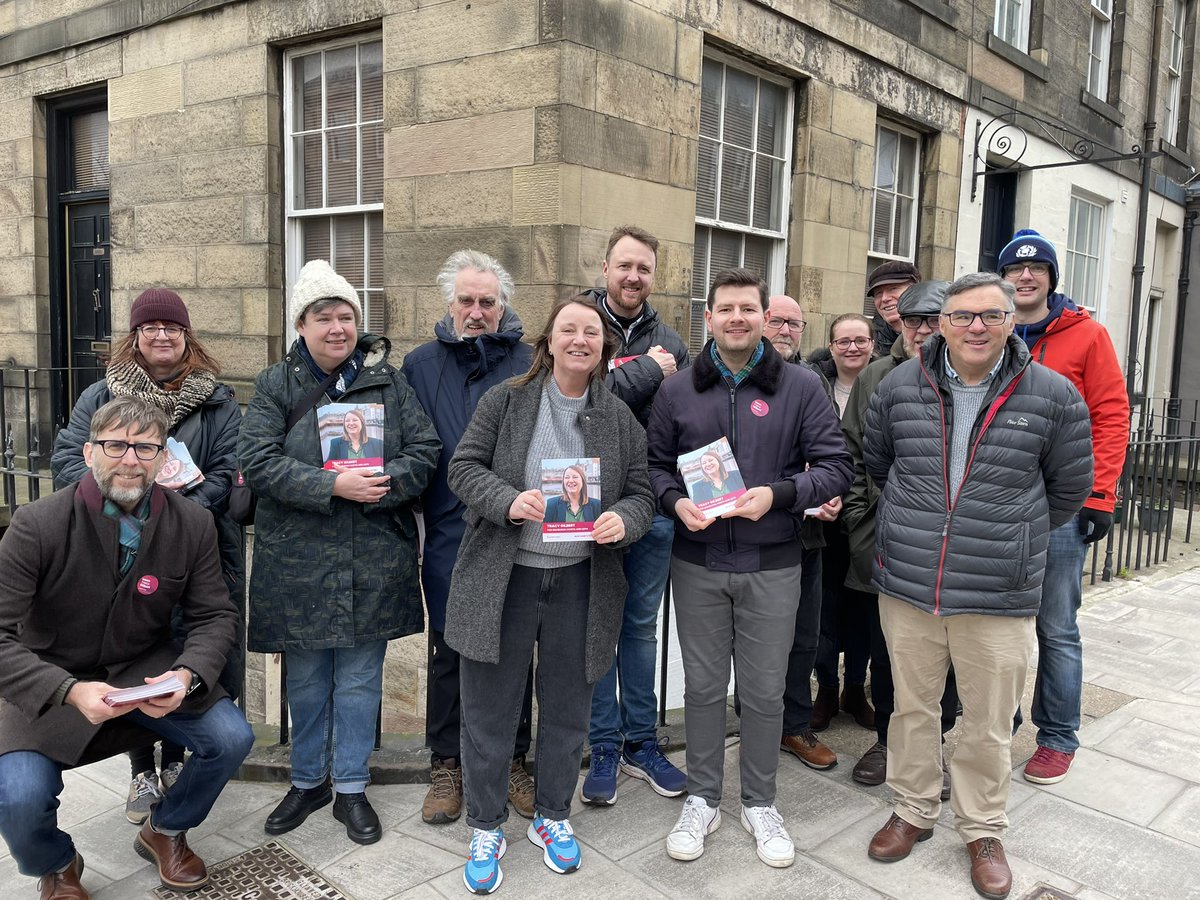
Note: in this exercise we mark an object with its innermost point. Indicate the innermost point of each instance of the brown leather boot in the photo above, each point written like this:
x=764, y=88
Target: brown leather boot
x=443, y=802
x=178, y=866
x=64, y=885
x=895, y=840
x=989, y=868
x=825, y=707
x=521, y=789
x=854, y=701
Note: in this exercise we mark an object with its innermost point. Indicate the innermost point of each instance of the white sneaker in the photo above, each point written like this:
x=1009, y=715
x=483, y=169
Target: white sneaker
x=686, y=840
x=775, y=846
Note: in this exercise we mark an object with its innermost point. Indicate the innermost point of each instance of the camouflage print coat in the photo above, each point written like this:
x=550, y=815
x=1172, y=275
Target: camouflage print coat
x=329, y=572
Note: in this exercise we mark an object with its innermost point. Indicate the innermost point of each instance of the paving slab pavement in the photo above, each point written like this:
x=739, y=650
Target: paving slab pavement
x=1125, y=824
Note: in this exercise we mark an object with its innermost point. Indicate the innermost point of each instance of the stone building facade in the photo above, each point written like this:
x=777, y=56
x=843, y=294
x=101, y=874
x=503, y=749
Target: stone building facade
x=212, y=146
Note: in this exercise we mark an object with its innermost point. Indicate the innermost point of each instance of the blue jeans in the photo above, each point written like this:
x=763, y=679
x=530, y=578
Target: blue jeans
x=647, y=565
x=549, y=608
x=1059, y=684
x=333, y=700
x=31, y=782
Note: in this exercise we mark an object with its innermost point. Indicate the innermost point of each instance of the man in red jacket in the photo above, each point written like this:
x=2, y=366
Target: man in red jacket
x=1065, y=338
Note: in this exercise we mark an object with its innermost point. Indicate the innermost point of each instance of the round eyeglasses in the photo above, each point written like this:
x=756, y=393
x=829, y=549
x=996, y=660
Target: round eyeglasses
x=151, y=331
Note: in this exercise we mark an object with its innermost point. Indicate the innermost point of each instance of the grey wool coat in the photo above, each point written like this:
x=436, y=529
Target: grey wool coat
x=487, y=472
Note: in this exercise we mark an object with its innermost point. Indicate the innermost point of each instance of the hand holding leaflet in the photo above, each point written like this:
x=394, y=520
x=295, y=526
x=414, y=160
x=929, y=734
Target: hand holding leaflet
x=133, y=695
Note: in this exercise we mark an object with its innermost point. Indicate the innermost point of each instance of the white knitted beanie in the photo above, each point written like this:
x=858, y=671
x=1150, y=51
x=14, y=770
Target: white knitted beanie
x=317, y=281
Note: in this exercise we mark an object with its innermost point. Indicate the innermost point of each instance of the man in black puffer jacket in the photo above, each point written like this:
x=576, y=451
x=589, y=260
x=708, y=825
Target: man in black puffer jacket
x=980, y=453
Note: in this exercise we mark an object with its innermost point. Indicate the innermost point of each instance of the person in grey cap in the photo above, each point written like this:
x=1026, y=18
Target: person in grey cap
x=918, y=311
x=335, y=555
x=885, y=284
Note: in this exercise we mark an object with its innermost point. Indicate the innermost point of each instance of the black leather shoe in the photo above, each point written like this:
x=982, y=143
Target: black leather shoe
x=296, y=806
x=355, y=812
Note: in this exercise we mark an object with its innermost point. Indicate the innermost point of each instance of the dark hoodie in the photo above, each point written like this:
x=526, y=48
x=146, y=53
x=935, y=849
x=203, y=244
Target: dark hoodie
x=449, y=376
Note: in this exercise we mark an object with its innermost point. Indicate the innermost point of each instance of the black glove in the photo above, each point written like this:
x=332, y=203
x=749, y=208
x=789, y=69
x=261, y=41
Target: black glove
x=1094, y=524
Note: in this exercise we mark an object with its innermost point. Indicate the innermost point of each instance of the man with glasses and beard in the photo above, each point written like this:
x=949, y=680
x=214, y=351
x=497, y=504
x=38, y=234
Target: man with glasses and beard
x=88, y=579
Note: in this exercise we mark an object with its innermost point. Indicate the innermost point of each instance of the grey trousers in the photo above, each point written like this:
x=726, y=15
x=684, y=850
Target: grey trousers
x=718, y=613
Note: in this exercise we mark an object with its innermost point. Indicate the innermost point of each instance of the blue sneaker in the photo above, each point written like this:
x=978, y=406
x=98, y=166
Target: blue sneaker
x=648, y=763
x=482, y=873
x=600, y=786
x=560, y=850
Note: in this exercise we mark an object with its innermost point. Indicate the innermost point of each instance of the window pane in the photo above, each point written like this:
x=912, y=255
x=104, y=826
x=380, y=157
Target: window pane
x=315, y=237
x=341, y=87
x=371, y=62
x=768, y=175
x=726, y=252
x=372, y=163
x=700, y=263
x=349, y=244
x=771, y=117
x=885, y=158
x=89, y=150
x=906, y=167
x=706, y=179
x=739, y=108
x=757, y=255
x=375, y=250
x=735, y=185
x=881, y=226
x=710, y=100
x=901, y=240
x=342, y=148
x=307, y=171
x=306, y=92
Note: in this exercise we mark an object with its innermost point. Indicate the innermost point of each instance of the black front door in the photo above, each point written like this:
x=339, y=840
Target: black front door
x=999, y=205
x=89, y=320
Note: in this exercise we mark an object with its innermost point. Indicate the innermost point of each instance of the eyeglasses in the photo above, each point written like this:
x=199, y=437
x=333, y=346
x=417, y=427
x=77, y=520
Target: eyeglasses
x=1034, y=269
x=171, y=331
x=844, y=343
x=960, y=318
x=117, y=449
x=917, y=321
x=796, y=325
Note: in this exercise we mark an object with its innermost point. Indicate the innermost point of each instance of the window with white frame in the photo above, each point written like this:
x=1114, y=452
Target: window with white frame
x=1085, y=241
x=1011, y=23
x=894, y=203
x=333, y=164
x=741, y=179
x=1174, y=73
x=1099, y=48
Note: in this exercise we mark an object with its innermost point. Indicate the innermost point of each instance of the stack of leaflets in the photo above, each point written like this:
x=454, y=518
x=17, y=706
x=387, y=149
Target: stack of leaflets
x=351, y=435
x=179, y=472
x=129, y=696
x=712, y=478
x=572, y=491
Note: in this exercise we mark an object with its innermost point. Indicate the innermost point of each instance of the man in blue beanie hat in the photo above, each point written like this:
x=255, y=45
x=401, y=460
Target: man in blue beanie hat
x=1065, y=338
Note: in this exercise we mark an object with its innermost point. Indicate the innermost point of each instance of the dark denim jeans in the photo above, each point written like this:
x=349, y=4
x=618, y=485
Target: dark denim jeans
x=549, y=608
x=1058, y=689
x=30, y=784
x=634, y=718
x=333, y=700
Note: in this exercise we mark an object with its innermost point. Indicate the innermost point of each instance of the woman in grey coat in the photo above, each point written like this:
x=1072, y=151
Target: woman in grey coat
x=511, y=590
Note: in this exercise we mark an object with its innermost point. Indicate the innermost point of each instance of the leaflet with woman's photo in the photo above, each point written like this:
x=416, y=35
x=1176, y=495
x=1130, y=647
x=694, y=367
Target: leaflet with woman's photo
x=712, y=478
x=572, y=491
x=351, y=435
x=178, y=472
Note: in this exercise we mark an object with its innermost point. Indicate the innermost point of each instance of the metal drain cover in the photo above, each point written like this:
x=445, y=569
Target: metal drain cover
x=1045, y=892
x=269, y=872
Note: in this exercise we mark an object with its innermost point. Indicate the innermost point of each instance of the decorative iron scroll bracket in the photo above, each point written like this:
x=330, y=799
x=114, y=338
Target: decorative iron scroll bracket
x=1006, y=136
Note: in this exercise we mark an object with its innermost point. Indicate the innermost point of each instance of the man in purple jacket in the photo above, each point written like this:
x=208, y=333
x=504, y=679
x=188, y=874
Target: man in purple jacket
x=738, y=579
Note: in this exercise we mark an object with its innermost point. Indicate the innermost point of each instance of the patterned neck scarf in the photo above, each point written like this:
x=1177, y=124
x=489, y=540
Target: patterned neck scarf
x=736, y=378
x=131, y=380
x=347, y=374
x=129, y=529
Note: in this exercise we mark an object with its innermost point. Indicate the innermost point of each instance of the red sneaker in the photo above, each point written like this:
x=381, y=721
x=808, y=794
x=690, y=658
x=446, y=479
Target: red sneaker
x=1048, y=766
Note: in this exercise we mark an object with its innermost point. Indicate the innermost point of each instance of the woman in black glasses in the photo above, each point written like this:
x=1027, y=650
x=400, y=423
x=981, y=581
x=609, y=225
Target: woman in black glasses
x=162, y=361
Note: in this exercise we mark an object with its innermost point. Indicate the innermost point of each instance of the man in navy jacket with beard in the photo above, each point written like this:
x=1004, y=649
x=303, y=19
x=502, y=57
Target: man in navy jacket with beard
x=477, y=345
x=737, y=578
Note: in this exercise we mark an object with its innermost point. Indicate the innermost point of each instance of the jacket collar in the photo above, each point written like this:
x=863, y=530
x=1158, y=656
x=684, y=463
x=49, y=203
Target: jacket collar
x=490, y=349
x=88, y=492
x=765, y=375
x=1015, y=358
x=648, y=317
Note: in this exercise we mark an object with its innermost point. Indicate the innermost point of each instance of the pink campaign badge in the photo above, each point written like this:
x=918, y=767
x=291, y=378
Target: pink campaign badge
x=760, y=408
x=147, y=585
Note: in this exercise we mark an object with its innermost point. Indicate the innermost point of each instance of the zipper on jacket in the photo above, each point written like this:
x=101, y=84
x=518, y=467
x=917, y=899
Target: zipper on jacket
x=937, y=588
x=733, y=447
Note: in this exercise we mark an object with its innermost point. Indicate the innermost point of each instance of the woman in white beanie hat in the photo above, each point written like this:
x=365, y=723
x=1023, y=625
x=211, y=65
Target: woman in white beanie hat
x=335, y=557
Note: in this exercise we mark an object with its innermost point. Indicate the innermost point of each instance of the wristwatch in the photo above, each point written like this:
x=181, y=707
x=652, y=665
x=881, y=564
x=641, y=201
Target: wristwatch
x=196, y=679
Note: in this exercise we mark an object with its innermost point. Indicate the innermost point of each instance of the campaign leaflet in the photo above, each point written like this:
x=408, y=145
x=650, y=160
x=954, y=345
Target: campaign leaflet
x=712, y=478
x=128, y=696
x=351, y=435
x=572, y=491
x=178, y=472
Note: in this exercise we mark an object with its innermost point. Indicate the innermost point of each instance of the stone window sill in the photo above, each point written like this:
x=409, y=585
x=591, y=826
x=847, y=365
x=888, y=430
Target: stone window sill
x=1037, y=68
x=1098, y=106
x=937, y=9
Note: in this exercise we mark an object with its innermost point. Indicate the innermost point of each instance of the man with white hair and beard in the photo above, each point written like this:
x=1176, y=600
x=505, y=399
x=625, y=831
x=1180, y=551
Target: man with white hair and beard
x=89, y=577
